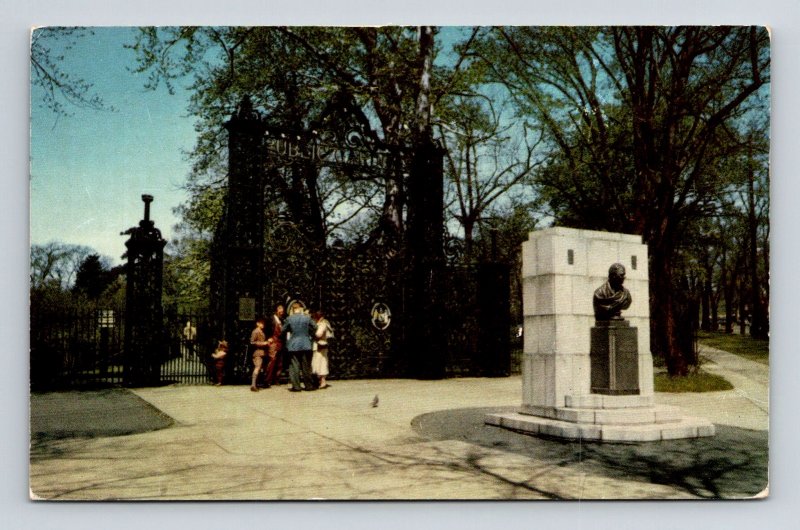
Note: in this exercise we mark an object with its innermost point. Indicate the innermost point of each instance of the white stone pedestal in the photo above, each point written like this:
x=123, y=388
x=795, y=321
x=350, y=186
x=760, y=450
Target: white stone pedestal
x=561, y=268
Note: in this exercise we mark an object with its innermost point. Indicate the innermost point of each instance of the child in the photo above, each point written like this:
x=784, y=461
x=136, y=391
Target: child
x=219, y=361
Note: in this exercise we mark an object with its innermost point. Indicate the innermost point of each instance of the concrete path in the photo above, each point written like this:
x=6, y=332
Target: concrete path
x=424, y=440
x=746, y=406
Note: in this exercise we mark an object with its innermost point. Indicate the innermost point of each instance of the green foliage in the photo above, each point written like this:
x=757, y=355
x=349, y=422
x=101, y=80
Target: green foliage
x=639, y=122
x=294, y=75
x=646, y=130
x=302, y=78
x=695, y=381
x=187, y=274
x=202, y=213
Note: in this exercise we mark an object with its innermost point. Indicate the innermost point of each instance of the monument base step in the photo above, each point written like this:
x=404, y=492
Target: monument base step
x=685, y=427
x=604, y=401
x=602, y=416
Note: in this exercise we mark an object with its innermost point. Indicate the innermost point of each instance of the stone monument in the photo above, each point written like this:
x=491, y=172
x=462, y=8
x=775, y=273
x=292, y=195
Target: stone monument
x=587, y=373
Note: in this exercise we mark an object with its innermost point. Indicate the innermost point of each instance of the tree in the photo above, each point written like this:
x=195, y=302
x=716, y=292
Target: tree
x=92, y=277
x=487, y=157
x=298, y=76
x=55, y=264
x=757, y=195
x=673, y=96
x=49, y=48
x=321, y=81
x=67, y=277
x=187, y=273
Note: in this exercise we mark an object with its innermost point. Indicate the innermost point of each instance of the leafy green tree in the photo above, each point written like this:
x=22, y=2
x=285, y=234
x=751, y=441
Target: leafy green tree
x=637, y=118
x=296, y=75
x=304, y=79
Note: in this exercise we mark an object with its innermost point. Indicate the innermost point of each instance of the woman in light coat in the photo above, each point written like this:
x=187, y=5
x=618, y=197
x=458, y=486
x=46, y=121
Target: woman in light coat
x=319, y=359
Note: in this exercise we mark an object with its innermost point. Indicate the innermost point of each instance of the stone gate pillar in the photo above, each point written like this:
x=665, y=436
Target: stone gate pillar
x=494, y=315
x=425, y=341
x=145, y=345
x=238, y=261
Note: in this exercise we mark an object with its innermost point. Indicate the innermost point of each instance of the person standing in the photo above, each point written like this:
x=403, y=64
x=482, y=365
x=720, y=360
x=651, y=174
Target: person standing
x=275, y=345
x=189, y=335
x=219, y=361
x=299, y=328
x=319, y=358
x=258, y=341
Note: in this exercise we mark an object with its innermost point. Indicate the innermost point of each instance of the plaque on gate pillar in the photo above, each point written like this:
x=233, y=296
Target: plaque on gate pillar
x=614, y=352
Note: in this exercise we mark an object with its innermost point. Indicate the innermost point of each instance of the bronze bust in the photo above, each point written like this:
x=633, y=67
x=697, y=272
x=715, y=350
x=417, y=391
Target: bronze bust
x=611, y=297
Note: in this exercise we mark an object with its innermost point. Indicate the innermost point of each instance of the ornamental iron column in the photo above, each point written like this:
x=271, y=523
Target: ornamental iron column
x=238, y=258
x=145, y=345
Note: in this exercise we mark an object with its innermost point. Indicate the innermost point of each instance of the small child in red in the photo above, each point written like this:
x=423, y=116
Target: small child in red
x=219, y=361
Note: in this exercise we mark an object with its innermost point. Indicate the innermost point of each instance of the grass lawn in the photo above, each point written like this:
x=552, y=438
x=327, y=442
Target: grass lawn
x=743, y=345
x=698, y=381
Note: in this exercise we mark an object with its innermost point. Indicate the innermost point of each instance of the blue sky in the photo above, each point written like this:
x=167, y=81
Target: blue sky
x=89, y=169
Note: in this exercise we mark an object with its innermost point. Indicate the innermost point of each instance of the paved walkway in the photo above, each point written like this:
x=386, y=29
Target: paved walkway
x=423, y=440
x=746, y=406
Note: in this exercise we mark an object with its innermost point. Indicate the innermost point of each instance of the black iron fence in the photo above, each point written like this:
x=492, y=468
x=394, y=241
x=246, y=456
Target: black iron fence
x=84, y=349
x=76, y=348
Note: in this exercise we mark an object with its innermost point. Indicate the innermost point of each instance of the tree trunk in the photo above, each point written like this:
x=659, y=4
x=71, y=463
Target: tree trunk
x=469, y=229
x=705, y=305
x=715, y=313
x=393, y=227
x=757, y=324
x=742, y=310
x=729, y=307
x=664, y=333
x=423, y=111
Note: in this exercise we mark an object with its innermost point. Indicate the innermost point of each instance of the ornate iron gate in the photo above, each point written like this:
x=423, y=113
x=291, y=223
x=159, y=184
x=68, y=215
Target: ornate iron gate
x=349, y=284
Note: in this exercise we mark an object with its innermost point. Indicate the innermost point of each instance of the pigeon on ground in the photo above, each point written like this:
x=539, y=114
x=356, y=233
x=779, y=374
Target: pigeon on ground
x=375, y=401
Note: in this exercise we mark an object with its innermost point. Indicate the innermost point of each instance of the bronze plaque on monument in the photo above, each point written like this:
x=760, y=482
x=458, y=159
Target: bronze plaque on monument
x=614, y=357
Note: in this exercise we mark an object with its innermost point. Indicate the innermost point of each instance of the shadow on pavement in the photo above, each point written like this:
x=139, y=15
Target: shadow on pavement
x=732, y=464
x=90, y=414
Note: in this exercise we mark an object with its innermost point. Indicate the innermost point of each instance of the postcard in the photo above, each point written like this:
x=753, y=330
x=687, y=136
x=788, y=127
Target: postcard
x=399, y=263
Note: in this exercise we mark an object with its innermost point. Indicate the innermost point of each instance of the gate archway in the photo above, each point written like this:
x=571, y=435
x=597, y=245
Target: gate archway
x=265, y=254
